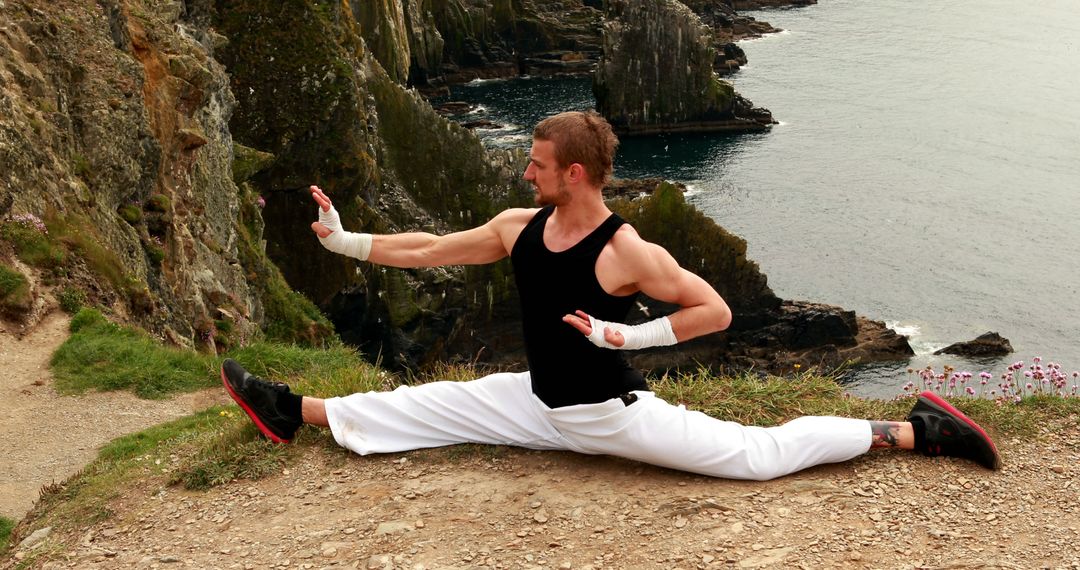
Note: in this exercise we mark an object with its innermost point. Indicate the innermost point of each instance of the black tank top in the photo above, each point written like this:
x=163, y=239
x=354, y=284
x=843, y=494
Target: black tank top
x=565, y=367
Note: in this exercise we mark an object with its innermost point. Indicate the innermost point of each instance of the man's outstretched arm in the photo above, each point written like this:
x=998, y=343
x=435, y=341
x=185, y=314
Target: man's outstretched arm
x=484, y=244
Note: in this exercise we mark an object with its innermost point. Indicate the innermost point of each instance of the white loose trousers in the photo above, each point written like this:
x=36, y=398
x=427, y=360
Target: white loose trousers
x=501, y=409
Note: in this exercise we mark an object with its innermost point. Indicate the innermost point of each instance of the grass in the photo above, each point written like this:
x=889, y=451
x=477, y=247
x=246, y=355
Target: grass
x=14, y=290
x=6, y=525
x=105, y=356
x=33, y=245
x=221, y=445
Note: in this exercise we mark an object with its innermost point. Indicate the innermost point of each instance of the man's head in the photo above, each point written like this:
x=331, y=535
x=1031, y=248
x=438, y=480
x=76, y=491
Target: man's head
x=582, y=138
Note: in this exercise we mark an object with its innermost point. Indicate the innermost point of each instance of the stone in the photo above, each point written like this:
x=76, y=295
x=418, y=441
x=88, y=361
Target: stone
x=35, y=538
x=392, y=527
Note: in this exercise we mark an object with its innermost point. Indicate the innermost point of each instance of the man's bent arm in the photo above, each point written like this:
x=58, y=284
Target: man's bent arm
x=702, y=310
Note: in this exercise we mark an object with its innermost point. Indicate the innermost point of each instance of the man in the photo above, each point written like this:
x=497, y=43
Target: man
x=578, y=269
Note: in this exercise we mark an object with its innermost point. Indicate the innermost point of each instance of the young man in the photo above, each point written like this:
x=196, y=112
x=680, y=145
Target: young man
x=578, y=269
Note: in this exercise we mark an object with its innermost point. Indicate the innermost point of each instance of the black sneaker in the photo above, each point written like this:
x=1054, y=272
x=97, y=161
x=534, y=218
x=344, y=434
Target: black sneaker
x=948, y=432
x=261, y=400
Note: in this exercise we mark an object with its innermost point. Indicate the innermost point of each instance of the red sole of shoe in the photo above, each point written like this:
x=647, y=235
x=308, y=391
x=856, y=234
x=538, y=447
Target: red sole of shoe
x=240, y=402
x=970, y=422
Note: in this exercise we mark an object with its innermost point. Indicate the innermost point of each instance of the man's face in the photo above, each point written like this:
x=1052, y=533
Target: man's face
x=546, y=176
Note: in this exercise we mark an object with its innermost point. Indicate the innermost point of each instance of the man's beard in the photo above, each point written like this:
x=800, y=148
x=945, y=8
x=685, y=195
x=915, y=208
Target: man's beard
x=561, y=197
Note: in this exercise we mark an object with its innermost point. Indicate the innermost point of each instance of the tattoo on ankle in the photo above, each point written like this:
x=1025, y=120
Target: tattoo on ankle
x=884, y=434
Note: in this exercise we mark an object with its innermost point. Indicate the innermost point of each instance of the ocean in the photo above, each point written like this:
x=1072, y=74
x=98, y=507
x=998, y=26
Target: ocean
x=925, y=171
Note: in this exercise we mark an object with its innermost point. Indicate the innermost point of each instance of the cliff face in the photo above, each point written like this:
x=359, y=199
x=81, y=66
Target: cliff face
x=656, y=73
x=115, y=133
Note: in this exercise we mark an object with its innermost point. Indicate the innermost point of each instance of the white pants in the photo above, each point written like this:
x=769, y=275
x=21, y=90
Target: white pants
x=501, y=409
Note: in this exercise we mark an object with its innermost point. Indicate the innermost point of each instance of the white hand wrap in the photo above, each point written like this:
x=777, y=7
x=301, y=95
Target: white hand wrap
x=656, y=332
x=340, y=241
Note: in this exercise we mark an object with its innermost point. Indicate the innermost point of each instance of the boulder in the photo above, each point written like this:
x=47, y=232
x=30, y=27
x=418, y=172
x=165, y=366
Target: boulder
x=986, y=344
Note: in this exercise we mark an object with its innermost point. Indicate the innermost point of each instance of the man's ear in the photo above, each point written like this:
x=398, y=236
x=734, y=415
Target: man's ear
x=577, y=172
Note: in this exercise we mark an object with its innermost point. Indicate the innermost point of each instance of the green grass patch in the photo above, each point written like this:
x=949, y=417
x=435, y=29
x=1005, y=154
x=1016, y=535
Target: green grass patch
x=102, y=355
x=77, y=233
x=14, y=290
x=6, y=525
x=33, y=245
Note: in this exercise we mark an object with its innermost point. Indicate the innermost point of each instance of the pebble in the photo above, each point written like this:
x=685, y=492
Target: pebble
x=1059, y=469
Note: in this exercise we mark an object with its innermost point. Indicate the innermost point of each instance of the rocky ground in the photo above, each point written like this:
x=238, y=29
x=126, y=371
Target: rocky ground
x=488, y=507
x=508, y=508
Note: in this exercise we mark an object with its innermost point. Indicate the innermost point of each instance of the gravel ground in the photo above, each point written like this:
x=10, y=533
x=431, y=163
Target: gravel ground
x=510, y=508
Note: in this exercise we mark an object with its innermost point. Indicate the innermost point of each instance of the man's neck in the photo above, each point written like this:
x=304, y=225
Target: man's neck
x=581, y=215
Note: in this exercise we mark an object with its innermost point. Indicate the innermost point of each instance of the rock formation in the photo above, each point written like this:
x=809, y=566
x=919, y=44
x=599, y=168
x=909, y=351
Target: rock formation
x=656, y=74
x=986, y=344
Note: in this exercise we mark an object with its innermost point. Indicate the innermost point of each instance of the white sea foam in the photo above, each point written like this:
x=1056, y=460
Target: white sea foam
x=908, y=330
x=478, y=110
x=691, y=190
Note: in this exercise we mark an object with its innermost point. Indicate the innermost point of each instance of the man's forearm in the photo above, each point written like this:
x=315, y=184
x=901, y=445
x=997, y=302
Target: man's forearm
x=700, y=320
x=403, y=250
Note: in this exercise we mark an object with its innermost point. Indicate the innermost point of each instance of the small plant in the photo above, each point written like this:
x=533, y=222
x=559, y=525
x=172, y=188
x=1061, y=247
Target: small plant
x=1015, y=383
x=130, y=213
x=14, y=291
x=30, y=237
x=6, y=525
x=71, y=299
x=80, y=165
x=155, y=252
x=158, y=203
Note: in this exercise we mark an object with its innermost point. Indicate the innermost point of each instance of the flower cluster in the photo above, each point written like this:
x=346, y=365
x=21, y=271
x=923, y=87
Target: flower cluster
x=31, y=221
x=1014, y=383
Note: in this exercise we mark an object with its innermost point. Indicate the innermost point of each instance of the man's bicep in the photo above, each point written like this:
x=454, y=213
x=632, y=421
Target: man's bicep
x=667, y=281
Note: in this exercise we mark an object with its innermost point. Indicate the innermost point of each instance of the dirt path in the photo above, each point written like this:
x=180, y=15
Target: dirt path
x=46, y=437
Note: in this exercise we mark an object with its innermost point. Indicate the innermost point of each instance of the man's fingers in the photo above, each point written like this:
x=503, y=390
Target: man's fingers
x=321, y=198
x=320, y=230
x=582, y=325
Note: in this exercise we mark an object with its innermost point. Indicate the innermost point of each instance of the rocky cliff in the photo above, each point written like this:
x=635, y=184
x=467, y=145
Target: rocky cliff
x=115, y=133
x=154, y=158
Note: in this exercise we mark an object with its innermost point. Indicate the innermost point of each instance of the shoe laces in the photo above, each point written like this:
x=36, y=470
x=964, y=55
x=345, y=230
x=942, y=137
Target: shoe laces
x=279, y=387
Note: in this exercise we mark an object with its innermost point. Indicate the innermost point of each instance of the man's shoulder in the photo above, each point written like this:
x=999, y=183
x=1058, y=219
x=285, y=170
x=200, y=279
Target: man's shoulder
x=510, y=222
x=626, y=239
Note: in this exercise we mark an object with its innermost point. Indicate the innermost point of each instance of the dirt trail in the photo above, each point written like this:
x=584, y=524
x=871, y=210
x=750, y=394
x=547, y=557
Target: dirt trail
x=46, y=437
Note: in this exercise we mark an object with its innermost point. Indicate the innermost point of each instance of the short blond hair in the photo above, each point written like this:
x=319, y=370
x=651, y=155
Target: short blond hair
x=582, y=137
